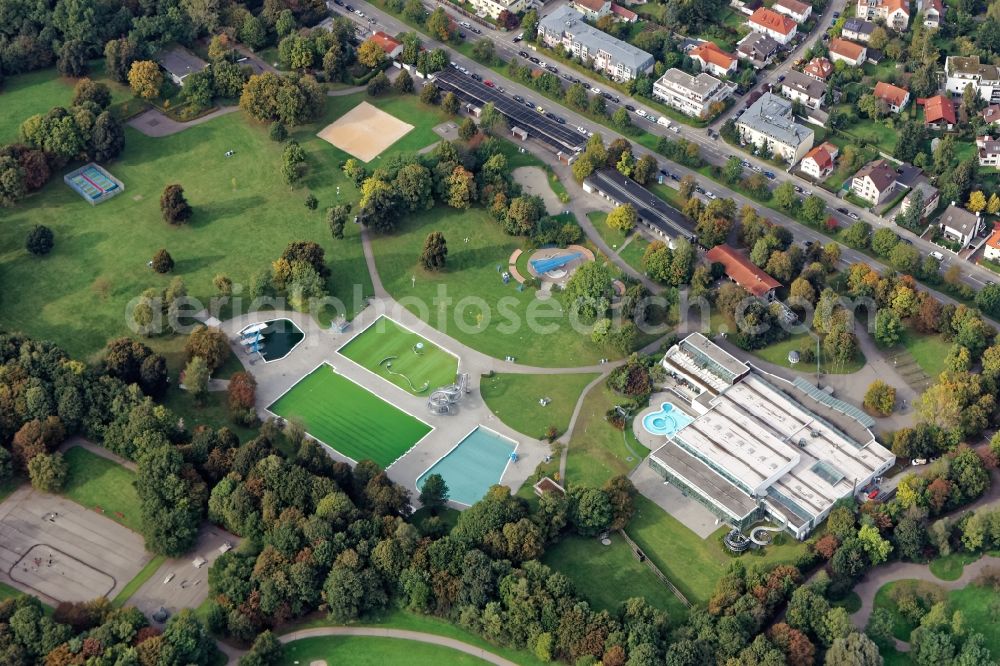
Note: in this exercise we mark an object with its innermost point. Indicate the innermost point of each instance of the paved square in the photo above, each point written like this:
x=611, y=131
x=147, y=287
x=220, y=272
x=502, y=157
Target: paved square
x=364, y=131
x=61, y=551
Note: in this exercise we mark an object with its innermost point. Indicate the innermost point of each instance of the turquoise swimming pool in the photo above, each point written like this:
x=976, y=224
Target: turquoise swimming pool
x=665, y=422
x=476, y=463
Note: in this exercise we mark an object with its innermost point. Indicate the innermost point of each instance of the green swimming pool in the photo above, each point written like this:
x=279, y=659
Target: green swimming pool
x=476, y=463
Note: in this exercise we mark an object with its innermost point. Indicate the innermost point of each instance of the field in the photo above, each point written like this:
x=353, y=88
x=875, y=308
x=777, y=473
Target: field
x=348, y=418
x=472, y=276
x=95, y=482
x=612, y=237
x=514, y=399
x=608, y=575
x=597, y=451
x=372, y=651
x=431, y=368
x=364, y=132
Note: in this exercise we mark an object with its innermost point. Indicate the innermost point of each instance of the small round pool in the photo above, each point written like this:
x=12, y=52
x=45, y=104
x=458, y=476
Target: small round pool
x=666, y=421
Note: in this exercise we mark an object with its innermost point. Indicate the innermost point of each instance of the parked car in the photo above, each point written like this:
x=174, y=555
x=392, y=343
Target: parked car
x=518, y=98
x=607, y=95
x=937, y=255
x=349, y=8
x=842, y=211
x=676, y=130
x=465, y=24
x=488, y=83
x=641, y=113
x=851, y=214
x=629, y=107
x=552, y=69
x=674, y=176
x=523, y=54
x=528, y=103
x=581, y=130
x=534, y=59
x=567, y=77
x=836, y=15
x=769, y=175
x=518, y=38
x=595, y=90
x=560, y=120
x=476, y=30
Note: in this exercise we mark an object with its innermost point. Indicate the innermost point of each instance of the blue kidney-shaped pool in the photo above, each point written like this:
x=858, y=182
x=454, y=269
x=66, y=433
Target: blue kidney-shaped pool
x=665, y=422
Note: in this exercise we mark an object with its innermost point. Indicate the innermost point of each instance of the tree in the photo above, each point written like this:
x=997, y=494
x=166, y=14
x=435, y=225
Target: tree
x=145, y=79
x=733, y=171
x=293, y=163
x=467, y=129
x=370, y=54
x=880, y=397
x=588, y=288
x=174, y=205
x=196, y=376
x=435, y=251
x=40, y=240
x=450, y=104
x=645, y=169
x=48, y=472
x=253, y=32
x=590, y=510
x=210, y=343
x=162, y=262
x=72, y=58
x=621, y=119
x=905, y=258
x=977, y=201
x=94, y=95
x=483, y=51
x=403, y=83
x=623, y=218
x=988, y=299
x=883, y=241
x=858, y=235
x=277, y=131
x=855, y=649
x=888, y=327
x=440, y=25
x=378, y=84
x=785, y=197
x=107, y=139
x=434, y=493
x=461, y=188
x=430, y=94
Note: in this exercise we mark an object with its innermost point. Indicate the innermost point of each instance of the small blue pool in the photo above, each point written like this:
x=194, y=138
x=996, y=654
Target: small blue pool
x=476, y=463
x=665, y=422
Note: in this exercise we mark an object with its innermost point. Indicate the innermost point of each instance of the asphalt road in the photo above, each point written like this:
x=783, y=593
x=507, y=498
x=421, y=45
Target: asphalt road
x=713, y=151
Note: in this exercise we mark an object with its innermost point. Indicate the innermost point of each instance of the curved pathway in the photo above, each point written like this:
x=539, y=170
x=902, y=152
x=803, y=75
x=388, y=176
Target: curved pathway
x=377, y=632
x=156, y=124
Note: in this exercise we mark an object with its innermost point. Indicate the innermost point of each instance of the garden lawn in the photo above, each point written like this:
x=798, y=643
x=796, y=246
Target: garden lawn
x=348, y=418
x=691, y=563
x=24, y=95
x=244, y=216
x=633, y=252
x=372, y=651
x=473, y=275
x=514, y=398
x=778, y=355
x=412, y=371
x=612, y=237
x=99, y=483
x=606, y=576
x=597, y=450
x=929, y=351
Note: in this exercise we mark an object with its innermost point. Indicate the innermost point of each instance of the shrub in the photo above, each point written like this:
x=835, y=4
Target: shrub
x=277, y=131
x=40, y=240
x=48, y=472
x=162, y=261
x=174, y=206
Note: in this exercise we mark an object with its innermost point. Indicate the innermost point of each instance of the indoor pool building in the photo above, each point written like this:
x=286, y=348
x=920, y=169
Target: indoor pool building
x=752, y=450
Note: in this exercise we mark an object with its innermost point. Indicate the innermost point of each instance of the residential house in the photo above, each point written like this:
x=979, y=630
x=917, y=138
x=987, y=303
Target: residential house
x=959, y=224
x=179, y=63
x=714, y=60
x=961, y=71
x=392, y=46
x=848, y=52
x=819, y=69
x=619, y=60
x=895, y=13
x=991, y=250
x=800, y=88
x=769, y=124
x=691, y=95
x=743, y=272
x=895, y=97
x=931, y=197
x=857, y=30
x=592, y=9
x=777, y=26
x=989, y=151
x=795, y=10
x=622, y=14
x=819, y=162
x=939, y=112
x=991, y=114
x=874, y=182
x=933, y=11
x=757, y=48
x=492, y=8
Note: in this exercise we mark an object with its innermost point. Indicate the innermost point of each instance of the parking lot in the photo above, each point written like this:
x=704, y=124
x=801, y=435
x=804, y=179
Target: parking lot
x=60, y=551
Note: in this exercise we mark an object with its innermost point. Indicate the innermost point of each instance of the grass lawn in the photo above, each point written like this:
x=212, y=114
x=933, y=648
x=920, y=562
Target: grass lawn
x=10, y=485
x=691, y=563
x=8, y=592
x=405, y=107
x=598, y=451
x=929, y=351
x=608, y=575
x=614, y=238
x=372, y=651
x=778, y=354
x=875, y=132
x=133, y=585
x=400, y=619
x=514, y=399
x=97, y=482
x=348, y=418
x=447, y=515
x=633, y=252
x=24, y=95
x=243, y=217
x=950, y=567
x=468, y=300
x=851, y=603
x=410, y=370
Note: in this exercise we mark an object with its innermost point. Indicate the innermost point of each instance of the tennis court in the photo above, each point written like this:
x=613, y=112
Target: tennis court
x=401, y=356
x=348, y=418
x=93, y=183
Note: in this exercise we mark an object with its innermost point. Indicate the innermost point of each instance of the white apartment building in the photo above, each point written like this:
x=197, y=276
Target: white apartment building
x=769, y=123
x=962, y=71
x=691, y=95
x=492, y=8
x=620, y=60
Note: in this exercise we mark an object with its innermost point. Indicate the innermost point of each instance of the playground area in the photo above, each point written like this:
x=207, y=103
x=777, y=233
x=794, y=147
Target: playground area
x=93, y=183
x=402, y=357
x=272, y=340
x=477, y=462
x=556, y=265
x=364, y=132
x=55, y=548
x=348, y=418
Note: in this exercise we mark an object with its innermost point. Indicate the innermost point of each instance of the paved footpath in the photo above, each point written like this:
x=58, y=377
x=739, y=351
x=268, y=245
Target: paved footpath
x=154, y=123
x=375, y=632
